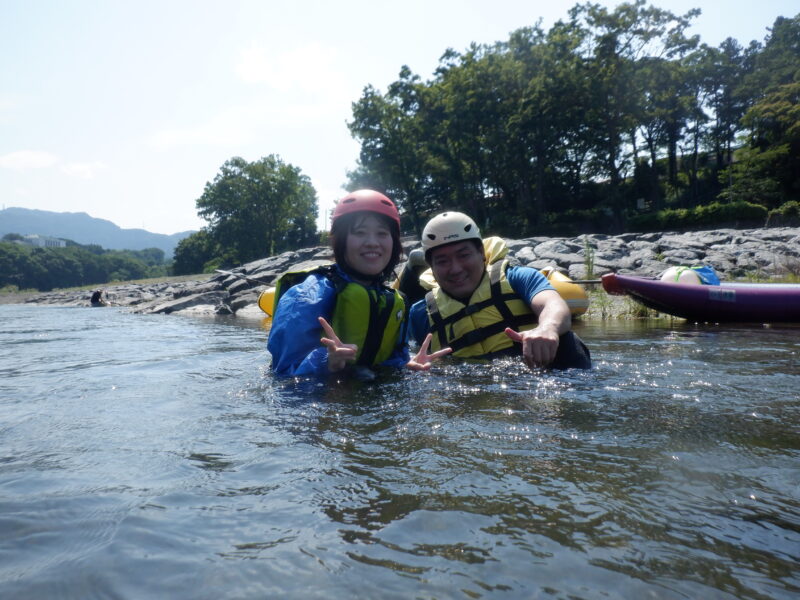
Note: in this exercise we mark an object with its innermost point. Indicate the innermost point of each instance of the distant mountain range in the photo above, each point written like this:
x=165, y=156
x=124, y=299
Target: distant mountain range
x=83, y=229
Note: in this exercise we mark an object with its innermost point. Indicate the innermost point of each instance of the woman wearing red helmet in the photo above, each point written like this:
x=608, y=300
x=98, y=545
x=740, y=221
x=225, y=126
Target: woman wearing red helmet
x=365, y=235
x=363, y=322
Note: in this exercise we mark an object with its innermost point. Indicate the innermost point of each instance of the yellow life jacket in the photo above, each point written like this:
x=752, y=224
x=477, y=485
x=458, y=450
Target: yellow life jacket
x=369, y=317
x=495, y=249
x=477, y=328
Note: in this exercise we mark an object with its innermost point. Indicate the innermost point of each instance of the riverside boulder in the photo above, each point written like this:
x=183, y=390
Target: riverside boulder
x=765, y=253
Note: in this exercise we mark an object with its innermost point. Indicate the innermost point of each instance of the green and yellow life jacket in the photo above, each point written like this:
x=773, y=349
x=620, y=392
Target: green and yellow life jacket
x=369, y=317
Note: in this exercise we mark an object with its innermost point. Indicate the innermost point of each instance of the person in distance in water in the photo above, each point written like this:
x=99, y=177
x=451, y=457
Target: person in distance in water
x=99, y=298
x=481, y=307
x=334, y=317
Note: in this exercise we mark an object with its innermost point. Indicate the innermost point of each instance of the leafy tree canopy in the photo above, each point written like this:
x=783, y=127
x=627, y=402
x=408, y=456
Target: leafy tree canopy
x=26, y=267
x=253, y=209
x=612, y=111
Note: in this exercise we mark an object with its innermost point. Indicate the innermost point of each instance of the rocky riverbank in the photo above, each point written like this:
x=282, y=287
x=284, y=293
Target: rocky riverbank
x=734, y=254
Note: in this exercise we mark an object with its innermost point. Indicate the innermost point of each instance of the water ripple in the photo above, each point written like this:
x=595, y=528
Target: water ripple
x=157, y=457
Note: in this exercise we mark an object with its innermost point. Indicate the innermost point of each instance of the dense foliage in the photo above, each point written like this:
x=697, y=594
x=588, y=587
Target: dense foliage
x=27, y=267
x=254, y=210
x=609, y=114
x=730, y=214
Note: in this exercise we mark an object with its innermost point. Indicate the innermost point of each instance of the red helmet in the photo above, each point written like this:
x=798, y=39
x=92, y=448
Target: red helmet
x=366, y=200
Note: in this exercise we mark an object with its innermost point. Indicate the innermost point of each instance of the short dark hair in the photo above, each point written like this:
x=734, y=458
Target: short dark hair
x=347, y=223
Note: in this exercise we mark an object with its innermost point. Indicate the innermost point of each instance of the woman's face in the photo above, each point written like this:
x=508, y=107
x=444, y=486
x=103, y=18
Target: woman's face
x=369, y=246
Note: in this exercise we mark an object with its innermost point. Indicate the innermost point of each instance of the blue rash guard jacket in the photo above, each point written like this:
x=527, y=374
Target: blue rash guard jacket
x=525, y=281
x=294, y=337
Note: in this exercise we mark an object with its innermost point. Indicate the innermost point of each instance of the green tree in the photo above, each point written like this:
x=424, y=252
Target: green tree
x=546, y=126
x=47, y=268
x=151, y=256
x=721, y=72
x=193, y=253
x=624, y=40
x=555, y=98
x=259, y=209
x=768, y=170
x=393, y=157
x=11, y=264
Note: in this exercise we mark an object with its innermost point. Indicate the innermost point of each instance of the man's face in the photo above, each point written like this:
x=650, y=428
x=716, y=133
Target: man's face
x=458, y=268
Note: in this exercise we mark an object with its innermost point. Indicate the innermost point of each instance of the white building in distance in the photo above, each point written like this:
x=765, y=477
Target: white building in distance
x=43, y=241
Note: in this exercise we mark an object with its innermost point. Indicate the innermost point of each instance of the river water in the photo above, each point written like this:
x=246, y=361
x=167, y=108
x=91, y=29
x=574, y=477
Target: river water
x=156, y=457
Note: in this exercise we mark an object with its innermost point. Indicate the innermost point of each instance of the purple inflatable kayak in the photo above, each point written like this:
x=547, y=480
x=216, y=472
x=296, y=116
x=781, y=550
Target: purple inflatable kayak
x=737, y=302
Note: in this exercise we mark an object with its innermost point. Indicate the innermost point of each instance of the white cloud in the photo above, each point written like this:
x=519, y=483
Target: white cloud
x=246, y=123
x=32, y=159
x=10, y=102
x=232, y=127
x=310, y=69
x=83, y=170
x=28, y=159
x=298, y=89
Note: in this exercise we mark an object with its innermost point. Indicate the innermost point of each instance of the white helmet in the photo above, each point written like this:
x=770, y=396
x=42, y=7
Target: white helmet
x=447, y=228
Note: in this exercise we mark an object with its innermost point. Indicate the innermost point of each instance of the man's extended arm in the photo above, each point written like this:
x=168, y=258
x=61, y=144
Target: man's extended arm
x=539, y=345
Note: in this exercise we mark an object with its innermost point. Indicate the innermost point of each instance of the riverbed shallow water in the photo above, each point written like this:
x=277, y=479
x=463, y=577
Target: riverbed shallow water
x=156, y=456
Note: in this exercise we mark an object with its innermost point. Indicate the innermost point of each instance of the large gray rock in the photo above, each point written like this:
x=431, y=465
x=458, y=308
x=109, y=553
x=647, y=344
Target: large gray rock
x=240, y=285
x=243, y=300
x=212, y=300
x=733, y=253
x=211, y=286
x=526, y=256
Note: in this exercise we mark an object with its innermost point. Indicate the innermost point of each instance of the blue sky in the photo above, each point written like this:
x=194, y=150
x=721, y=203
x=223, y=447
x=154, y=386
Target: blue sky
x=124, y=110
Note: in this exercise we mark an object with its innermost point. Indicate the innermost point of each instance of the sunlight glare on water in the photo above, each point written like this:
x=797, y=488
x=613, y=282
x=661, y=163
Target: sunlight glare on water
x=152, y=456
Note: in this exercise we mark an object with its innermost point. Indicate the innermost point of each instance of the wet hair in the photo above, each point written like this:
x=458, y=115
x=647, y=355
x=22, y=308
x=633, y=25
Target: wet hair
x=347, y=223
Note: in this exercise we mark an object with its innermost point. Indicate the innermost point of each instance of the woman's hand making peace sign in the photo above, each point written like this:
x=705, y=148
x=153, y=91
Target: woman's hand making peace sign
x=339, y=353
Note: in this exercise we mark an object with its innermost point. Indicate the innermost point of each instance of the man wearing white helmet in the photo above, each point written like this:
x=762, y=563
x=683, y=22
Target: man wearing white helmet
x=483, y=308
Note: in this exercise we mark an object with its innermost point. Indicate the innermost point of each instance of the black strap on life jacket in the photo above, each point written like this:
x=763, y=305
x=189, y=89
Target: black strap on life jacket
x=378, y=318
x=402, y=339
x=497, y=299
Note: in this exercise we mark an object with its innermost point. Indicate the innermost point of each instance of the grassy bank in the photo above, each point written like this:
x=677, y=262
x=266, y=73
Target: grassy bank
x=605, y=307
x=12, y=297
